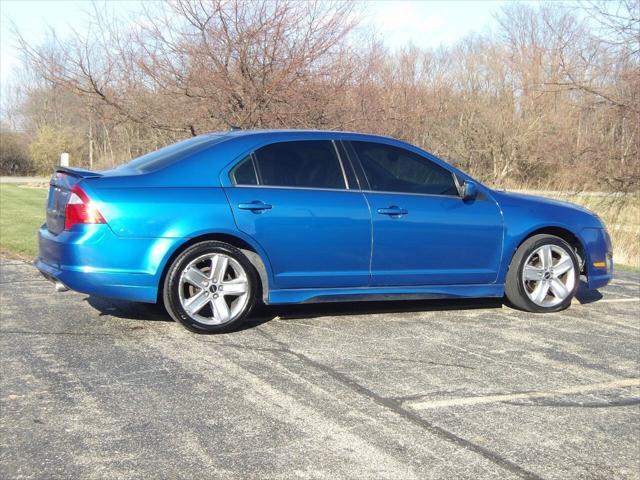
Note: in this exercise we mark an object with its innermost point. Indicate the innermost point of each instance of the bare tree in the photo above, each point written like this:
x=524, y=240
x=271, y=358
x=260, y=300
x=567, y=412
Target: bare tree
x=549, y=96
x=197, y=65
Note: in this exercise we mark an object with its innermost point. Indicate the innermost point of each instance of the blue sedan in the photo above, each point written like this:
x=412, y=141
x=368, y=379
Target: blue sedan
x=216, y=223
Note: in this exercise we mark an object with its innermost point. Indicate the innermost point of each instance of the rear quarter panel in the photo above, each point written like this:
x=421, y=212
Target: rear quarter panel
x=165, y=218
x=167, y=212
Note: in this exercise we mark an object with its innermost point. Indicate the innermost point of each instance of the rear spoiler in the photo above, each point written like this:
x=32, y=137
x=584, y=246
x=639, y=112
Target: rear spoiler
x=77, y=172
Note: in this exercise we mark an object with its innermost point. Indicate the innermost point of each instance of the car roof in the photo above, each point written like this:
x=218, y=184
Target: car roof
x=293, y=133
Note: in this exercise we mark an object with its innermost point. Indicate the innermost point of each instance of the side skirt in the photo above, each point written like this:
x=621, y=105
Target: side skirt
x=430, y=292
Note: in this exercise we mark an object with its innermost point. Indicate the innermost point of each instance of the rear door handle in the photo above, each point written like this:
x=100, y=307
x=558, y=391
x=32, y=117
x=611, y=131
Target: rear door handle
x=255, y=206
x=393, y=211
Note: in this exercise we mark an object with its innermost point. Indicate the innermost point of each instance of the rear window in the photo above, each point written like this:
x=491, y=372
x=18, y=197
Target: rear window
x=169, y=154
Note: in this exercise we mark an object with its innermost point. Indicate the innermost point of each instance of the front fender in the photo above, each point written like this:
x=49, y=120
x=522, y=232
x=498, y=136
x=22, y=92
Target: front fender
x=514, y=238
x=599, y=261
x=526, y=215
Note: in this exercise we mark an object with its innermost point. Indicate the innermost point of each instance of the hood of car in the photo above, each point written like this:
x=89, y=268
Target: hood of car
x=545, y=201
x=548, y=208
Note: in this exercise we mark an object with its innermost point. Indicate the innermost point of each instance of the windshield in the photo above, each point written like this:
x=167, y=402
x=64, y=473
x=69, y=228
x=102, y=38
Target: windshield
x=165, y=156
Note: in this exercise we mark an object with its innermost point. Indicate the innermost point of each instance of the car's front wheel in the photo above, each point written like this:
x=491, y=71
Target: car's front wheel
x=210, y=287
x=543, y=276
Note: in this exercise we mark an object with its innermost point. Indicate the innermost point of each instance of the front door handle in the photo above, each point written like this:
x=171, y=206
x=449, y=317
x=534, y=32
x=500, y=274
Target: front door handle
x=392, y=211
x=255, y=206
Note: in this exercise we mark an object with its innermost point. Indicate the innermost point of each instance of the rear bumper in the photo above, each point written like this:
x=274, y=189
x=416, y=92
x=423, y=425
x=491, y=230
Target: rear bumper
x=91, y=259
x=598, y=249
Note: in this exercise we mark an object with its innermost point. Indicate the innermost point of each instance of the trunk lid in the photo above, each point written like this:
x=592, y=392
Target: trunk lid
x=63, y=179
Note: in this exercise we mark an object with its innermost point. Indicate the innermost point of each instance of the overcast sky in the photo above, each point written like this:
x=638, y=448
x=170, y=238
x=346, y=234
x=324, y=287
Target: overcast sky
x=424, y=23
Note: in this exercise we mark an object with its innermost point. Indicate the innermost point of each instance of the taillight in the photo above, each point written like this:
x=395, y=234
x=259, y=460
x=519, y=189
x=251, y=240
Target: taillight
x=80, y=209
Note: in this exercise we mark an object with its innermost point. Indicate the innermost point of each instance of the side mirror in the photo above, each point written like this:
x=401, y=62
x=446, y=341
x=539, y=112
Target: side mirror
x=469, y=190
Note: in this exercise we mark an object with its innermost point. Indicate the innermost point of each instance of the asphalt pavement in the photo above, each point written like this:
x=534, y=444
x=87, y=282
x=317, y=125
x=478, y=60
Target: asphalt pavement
x=101, y=389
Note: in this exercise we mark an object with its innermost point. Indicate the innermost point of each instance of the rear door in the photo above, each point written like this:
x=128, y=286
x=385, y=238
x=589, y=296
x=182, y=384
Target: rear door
x=294, y=198
x=424, y=233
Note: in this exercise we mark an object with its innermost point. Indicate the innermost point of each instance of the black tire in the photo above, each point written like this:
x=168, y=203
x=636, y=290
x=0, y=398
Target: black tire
x=515, y=285
x=171, y=288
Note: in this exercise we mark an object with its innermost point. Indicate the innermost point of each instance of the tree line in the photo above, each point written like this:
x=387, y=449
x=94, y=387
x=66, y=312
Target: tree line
x=549, y=98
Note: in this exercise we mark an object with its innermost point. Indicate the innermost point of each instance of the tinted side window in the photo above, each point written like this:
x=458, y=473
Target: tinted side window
x=393, y=169
x=310, y=164
x=244, y=173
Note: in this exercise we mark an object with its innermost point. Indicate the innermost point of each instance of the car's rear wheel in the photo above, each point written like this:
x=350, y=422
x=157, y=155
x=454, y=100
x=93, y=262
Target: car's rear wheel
x=210, y=287
x=543, y=276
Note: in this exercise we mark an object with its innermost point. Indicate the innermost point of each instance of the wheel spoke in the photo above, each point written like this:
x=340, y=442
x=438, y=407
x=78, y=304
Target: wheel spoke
x=563, y=266
x=220, y=309
x=235, y=287
x=558, y=289
x=195, y=277
x=194, y=304
x=540, y=292
x=532, y=273
x=219, y=265
x=546, y=257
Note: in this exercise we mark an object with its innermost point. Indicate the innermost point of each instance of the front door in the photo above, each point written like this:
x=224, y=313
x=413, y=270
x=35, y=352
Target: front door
x=424, y=233
x=293, y=199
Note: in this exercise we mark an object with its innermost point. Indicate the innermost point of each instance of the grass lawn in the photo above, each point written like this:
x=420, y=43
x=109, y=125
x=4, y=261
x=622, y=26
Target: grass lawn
x=22, y=211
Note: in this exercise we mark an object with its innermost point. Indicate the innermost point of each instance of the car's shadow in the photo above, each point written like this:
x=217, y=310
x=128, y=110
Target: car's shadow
x=129, y=310
x=263, y=314
x=584, y=295
x=266, y=313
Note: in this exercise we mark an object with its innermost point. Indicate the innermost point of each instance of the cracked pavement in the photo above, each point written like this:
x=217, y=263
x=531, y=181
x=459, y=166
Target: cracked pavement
x=100, y=389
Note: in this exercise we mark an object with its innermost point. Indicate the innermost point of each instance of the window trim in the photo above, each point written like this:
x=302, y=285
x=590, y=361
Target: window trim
x=344, y=173
x=349, y=164
x=256, y=168
x=370, y=190
x=390, y=192
x=363, y=181
x=318, y=189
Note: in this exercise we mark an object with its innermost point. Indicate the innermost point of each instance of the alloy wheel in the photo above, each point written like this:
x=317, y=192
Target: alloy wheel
x=214, y=289
x=548, y=275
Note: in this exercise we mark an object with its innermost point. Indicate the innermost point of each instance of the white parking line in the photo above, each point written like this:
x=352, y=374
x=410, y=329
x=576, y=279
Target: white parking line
x=456, y=402
x=618, y=300
x=578, y=303
x=617, y=281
